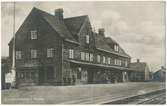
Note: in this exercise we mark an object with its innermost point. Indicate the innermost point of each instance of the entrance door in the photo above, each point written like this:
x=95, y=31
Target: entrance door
x=46, y=75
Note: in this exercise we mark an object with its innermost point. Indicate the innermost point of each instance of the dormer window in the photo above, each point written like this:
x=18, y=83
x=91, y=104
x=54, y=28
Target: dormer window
x=33, y=34
x=87, y=39
x=116, y=47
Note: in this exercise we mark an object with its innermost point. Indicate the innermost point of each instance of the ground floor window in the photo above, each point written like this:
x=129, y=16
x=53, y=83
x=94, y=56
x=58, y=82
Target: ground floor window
x=26, y=76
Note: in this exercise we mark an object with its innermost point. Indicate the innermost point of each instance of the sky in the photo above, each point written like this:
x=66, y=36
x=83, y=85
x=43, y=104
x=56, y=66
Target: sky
x=139, y=27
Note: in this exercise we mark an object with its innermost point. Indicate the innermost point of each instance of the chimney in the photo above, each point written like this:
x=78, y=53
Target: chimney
x=59, y=13
x=138, y=60
x=101, y=31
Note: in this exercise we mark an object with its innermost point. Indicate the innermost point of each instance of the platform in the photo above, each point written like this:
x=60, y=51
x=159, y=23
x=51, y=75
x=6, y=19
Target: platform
x=79, y=94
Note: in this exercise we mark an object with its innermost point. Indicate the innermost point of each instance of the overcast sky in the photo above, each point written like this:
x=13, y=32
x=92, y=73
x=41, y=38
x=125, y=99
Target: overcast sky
x=139, y=27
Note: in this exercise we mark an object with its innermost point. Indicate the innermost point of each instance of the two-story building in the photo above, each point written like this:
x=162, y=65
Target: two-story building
x=51, y=49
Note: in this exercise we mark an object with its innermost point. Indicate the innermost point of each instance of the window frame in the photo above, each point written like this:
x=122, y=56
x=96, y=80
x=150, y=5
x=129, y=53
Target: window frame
x=91, y=57
x=87, y=39
x=104, y=59
x=87, y=56
x=98, y=58
x=33, y=34
x=50, y=52
x=71, y=53
x=82, y=55
x=109, y=60
x=18, y=55
x=34, y=52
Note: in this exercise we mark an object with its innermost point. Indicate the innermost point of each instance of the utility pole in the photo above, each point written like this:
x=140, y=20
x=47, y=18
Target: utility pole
x=13, y=69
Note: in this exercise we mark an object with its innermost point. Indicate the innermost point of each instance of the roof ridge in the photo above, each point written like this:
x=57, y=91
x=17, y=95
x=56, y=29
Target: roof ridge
x=75, y=17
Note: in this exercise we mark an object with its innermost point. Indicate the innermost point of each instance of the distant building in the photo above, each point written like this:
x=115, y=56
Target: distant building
x=160, y=75
x=141, y=71
x=51, y=49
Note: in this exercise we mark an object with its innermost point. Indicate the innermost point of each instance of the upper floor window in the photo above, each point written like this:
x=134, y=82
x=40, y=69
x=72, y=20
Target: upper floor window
x=33, y=53
x=91, y=57
x=50, y=52
x=18, y=55
x=116, y=47
x=87, y=39
x=71, y=53
x=126, y=63
x=34, y=34
x=109, y=60
x=87, y=56
x=82, y=56
x=98, y=58
x=117, y=62
x=104, y=59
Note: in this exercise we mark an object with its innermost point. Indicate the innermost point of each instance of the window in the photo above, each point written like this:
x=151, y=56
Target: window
x=87, y=56
x=126, y=63
x=82, y=56
x=87, y=39
x=33, y=34
x=91, y=57
x=71, y=53
x=109, y=60
x=33, y=53
x=50, y=52
x=98, y=58
x=115, y=61
x=119, y=62
x=104, y=59
x=18, y=55
x=116, y=48
x=79, y=73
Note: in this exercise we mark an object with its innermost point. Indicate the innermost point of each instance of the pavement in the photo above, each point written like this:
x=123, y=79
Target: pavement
x=79, y=94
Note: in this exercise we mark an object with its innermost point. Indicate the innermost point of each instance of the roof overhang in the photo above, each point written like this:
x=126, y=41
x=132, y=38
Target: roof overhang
x=112, y=52
x=100, y=65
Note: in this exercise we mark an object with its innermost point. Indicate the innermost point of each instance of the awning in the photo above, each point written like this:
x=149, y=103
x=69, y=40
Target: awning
x=100, y=65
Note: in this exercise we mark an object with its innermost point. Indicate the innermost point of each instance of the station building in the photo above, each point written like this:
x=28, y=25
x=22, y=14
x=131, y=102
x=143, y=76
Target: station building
x=53, y=50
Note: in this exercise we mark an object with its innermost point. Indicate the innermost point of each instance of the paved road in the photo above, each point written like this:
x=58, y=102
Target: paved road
x=80, y=94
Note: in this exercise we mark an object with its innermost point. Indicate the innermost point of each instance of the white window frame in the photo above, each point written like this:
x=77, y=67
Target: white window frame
x=18, y=55
x=50, y=52
x=71, y=53
x=126, y=63
x=120, y=62
x=91, y=57
x=33, y=53
x=116, y=47
x=82, y=55
x=33, y=34
x=87, y=56
x=104, y=59
x=87, y=39
x=109, y=60
x=98, y=58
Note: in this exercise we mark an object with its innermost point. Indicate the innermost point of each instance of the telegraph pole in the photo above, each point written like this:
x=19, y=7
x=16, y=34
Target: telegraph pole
x=13, y=70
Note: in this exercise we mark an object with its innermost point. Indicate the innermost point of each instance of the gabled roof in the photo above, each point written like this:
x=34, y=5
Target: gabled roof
x=160, y=70
x=57, y=24
x=103, y=43
x=138, y=66
x=74, y=24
